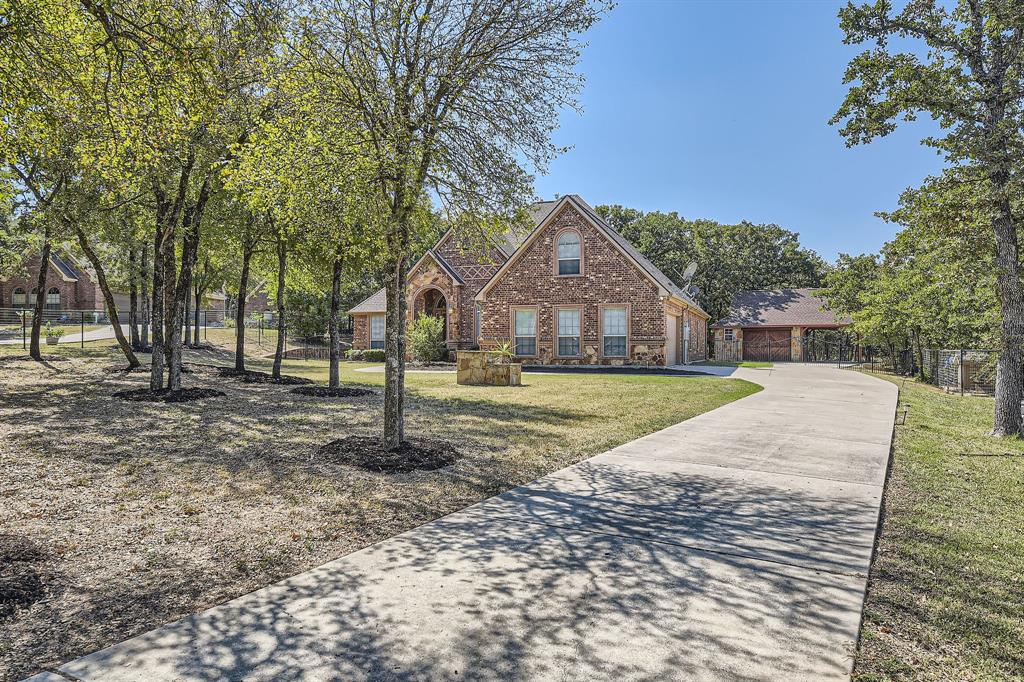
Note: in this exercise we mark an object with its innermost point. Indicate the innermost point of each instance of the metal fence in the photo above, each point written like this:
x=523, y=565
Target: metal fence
x=957, y=370
x=78, y=327
x=782, y=347
x=961, y=370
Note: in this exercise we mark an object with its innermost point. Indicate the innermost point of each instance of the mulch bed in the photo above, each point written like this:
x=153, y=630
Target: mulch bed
x=371, y=455
x=165, y=395
x=21, y=582
x=328, y=392
x=254, y=377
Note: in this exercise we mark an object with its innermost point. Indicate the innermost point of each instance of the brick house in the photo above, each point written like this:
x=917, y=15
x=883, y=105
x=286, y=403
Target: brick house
x=780, y=325
x=570, y=291
x=68, y=286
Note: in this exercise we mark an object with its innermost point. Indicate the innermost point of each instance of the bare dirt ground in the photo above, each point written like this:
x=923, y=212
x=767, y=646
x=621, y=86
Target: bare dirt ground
x=145, y=512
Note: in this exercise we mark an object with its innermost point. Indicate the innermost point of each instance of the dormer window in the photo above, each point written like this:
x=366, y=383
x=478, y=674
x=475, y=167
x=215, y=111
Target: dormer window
x=569, y=253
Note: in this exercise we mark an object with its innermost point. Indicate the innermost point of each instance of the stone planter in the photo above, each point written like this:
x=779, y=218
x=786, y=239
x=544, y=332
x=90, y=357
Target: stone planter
x=480, y=368
x=52, y=340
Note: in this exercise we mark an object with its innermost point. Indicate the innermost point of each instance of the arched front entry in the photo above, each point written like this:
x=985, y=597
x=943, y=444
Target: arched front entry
x=432, y=301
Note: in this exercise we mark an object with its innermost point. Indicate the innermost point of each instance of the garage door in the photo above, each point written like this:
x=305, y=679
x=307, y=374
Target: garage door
x=766, y=345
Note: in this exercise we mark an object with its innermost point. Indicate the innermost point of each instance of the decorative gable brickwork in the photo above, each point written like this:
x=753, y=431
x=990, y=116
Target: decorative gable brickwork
x=607, y=278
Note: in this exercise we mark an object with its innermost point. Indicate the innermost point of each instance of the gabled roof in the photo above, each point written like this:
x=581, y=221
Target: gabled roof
x=666, y=285
x=376, y=303
x=67, y=271
x=446, y=266
x=779, y=308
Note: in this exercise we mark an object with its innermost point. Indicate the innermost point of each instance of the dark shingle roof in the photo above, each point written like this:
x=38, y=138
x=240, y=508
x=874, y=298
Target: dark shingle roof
x=779, y=308
x=64, y=267
x=376, y=303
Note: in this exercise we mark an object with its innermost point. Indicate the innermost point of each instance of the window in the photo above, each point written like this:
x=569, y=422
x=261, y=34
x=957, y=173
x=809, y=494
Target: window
x=526, y=332
x=476, y=324
x=569, y=332
x=19, y=299
x=377, y=325
x=569, y=253
x=613, y=332
x=53, y=299
x=729, y=335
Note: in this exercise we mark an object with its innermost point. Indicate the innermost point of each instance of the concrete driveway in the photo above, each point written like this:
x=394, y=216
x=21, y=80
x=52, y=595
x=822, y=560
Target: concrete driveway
x=733, y=546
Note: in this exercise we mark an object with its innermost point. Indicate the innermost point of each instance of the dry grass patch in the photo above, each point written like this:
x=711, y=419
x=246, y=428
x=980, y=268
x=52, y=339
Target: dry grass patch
x=148, y=512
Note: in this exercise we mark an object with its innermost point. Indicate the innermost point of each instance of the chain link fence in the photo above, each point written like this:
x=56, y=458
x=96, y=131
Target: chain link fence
x=961, y=370
x=957, y=370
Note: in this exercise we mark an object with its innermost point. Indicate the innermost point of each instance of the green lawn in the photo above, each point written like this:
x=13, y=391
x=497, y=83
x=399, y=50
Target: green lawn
x=946, y=597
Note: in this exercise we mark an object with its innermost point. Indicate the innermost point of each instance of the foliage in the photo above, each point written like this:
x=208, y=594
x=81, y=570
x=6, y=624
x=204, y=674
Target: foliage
x=506, y=351
x=933, y=284
x=969, y=77
x=729, y=258
x=365, y=355
x=308, y=314
x=426, y=338
x=53, y=332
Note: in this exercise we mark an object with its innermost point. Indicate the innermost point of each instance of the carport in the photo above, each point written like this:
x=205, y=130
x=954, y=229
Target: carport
x=780, y=325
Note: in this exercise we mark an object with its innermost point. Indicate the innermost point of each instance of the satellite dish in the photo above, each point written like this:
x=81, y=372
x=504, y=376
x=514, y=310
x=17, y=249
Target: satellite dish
x=689, y=272
x=693, y=291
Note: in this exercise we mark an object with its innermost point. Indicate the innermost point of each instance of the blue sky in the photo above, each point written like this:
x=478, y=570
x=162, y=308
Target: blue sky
x=720, y=110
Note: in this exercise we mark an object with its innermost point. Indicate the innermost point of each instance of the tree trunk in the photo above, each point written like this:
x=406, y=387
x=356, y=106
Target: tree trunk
x=108, y=298
x=133, y=299
x=394, y=362
x=920, y=354
x=144, y=280
x=195, y=326
x=335, y=370
x=1010, y=365
x=156, y=316
x=243, y=294
x=191, y=221
x=187, y=317
x=282, y=256
x=37, y=313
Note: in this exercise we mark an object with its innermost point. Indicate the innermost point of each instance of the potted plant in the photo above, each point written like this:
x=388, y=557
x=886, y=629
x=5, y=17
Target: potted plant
x=501, y=371
x=53, y=334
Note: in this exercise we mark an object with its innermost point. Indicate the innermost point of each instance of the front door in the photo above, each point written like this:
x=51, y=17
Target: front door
x=671, y=340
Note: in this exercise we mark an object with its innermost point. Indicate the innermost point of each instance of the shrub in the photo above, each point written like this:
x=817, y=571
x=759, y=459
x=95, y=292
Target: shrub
x=426, y=338
x=364, y=355
x=53, y=332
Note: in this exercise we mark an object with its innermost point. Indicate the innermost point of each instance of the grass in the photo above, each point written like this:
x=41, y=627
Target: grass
x=755, y=364
x=149, y=512
x=946, y=594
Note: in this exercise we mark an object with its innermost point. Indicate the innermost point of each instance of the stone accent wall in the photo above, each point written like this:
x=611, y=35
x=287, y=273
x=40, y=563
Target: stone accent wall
x=430, y=275
x=698, y=336
x=729, y=350
x=361, y=331
x=475, y=266
x=607, y=278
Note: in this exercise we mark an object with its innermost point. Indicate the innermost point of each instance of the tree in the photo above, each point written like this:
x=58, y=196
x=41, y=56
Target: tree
x=452, y=98
x=729, y=258
x=971, y=81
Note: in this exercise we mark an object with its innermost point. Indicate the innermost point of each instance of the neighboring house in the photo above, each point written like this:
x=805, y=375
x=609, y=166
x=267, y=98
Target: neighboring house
x=570, y=291
x=776, y=325
x=69, y=286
